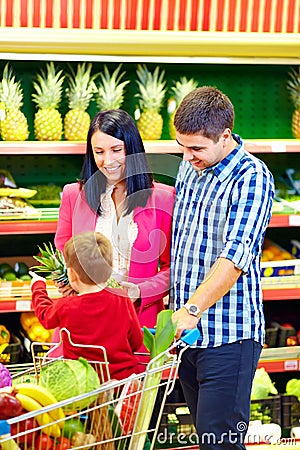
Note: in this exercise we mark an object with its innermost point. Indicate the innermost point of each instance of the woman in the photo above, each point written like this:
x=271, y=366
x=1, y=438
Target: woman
x=116, y=195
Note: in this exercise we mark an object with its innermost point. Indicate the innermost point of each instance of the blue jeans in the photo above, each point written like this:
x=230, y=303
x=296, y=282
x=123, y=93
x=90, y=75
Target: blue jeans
x=217, y=386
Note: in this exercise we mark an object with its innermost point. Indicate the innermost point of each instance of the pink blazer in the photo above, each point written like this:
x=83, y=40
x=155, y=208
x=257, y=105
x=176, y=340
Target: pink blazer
x=150, y=256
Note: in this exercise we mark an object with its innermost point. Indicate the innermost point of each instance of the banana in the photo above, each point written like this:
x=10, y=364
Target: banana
x=29, y=404
x=44, y=397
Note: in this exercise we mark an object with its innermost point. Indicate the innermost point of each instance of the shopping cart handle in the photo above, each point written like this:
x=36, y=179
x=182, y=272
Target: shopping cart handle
x=189, y=337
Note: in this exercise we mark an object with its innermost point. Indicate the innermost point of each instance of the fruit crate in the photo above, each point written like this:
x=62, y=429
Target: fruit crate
x=176, y=421
x=277, y=335
x=11, y=353
x=290, y=411
x=278, y=262
x=268, y=410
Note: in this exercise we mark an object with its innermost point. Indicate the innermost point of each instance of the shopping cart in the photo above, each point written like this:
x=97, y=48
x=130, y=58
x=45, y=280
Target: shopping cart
x=116, y=416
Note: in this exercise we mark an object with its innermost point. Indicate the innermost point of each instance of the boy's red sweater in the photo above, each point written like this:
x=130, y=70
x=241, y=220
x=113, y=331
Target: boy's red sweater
x=102, y=318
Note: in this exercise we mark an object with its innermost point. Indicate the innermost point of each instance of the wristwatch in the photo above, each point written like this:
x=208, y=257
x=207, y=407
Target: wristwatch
x=193, y=310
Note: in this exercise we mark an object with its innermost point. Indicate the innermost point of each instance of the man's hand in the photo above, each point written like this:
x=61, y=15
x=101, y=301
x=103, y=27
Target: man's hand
x=36, y=277
x=133, y=291
x=184, y=321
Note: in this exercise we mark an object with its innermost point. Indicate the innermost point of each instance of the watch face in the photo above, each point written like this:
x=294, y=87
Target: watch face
x=193, y=309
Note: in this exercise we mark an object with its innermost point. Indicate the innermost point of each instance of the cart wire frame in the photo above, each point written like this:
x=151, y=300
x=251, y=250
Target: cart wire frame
x=110, y=415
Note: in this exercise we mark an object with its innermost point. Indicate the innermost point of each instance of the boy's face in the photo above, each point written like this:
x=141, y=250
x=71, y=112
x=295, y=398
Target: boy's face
x=110, y=154
x=201, y=151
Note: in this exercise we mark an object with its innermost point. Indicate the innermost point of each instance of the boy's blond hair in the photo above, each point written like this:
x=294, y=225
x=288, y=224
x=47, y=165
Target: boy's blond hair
x=90, y=255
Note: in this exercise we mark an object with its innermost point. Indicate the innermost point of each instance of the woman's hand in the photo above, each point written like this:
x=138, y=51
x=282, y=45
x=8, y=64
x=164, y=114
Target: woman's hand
x=133, y=291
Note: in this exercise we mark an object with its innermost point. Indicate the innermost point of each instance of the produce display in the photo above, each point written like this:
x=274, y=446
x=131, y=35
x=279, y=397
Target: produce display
x=293, y=86
x=13, y=125
x=13, y=203
x=273, y=252
x=34, y=330
x=19, y=271
x=48, y=87
x=180, y=89
x=52, y=262
x=80, y=91
x=151, y=96
x=4, y=335
x=110, y=89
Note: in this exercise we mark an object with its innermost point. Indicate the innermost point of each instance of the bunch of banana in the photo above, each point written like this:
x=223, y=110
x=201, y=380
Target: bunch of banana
x=33, y=397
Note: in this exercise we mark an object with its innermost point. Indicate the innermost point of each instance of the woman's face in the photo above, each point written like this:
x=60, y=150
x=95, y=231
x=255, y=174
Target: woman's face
x=110, y=154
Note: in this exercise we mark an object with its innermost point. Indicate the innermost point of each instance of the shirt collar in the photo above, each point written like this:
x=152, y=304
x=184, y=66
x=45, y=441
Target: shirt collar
x=225, y=167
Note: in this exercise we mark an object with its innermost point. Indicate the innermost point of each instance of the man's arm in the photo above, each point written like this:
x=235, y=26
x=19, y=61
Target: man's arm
x=219, y=280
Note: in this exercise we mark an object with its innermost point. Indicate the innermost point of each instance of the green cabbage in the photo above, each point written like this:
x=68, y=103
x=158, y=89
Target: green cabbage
x=66, y=379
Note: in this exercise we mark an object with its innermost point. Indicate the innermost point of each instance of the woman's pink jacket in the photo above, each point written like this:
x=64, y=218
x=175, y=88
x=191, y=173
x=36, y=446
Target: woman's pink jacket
x=150, y=255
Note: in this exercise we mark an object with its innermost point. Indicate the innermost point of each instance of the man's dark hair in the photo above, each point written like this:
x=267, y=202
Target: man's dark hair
x=205, y=110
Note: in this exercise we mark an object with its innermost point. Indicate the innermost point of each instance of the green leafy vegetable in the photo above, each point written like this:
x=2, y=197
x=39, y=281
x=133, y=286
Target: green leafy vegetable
x=293, y=387
x=157, y=345
x=69, y=378
x=262, y=385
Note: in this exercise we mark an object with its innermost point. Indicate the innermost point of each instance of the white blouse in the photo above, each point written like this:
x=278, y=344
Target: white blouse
x=122, y=233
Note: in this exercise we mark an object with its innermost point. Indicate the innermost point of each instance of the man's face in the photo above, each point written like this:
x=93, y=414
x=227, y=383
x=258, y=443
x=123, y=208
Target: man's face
x=202, y=152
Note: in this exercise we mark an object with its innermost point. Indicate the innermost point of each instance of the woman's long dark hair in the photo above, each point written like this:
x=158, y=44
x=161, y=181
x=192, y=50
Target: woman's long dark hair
x=139, y=178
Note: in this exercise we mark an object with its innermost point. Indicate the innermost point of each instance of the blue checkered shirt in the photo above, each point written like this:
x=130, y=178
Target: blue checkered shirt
x=223, y=212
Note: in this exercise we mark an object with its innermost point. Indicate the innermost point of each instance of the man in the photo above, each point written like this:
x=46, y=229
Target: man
x=223, y=206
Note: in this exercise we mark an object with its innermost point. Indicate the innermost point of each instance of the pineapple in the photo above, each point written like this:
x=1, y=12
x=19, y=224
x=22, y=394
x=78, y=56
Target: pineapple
x=13, y=123
x=52, y=262
x=293, y=86
x=151, y=96
x=48, y=121
x=110, y=91
x=79, y=92
x=180, y=89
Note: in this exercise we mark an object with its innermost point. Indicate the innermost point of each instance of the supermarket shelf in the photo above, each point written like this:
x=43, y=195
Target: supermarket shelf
x=284, y=220
x=281, y=359
x=281, y=294
x=28, y=227
x=160, y=147
x=49, y=226
x=118, y=43
x=16, y=295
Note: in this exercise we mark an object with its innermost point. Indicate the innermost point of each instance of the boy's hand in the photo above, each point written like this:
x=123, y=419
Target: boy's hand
x=36, y=277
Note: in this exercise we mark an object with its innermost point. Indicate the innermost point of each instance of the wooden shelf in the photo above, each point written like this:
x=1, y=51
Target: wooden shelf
x=159, y=147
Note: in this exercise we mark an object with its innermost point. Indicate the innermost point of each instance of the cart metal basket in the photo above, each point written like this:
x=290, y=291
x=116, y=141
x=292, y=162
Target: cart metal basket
x=116, y=416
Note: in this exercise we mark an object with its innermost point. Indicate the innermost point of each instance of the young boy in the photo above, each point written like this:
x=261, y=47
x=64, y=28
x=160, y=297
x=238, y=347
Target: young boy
x=97, y=315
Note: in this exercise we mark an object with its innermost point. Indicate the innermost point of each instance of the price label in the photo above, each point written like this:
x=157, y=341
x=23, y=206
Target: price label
x=291, y=365
x=294, y=220
x=23, y=305
x=278, y=147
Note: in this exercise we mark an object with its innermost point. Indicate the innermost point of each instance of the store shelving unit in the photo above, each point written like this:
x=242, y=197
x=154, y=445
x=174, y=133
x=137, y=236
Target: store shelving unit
x=219, y=42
